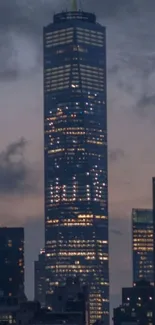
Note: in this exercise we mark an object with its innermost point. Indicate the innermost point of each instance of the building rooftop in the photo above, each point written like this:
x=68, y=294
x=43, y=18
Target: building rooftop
x=74, y=15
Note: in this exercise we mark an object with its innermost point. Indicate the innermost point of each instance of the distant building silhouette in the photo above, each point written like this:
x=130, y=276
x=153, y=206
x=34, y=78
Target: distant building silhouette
x=39, y=278
x=11, y=261
x=71, y=297
x=70, y=303
x=9, y=307
x=137, y=305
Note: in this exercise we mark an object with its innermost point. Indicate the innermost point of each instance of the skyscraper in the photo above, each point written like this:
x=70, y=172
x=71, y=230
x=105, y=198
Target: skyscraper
x=142, y=243
x=11, y=261
x=39, y=278
x=153, y=206
x=75, y=137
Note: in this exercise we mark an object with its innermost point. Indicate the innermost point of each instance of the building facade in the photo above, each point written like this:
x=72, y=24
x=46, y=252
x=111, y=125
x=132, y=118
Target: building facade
x=72, y=298
x=11, y=261
x=39, y=278
x=153, y=206
x=137, y=305
x=76, y=175
x=142, y=245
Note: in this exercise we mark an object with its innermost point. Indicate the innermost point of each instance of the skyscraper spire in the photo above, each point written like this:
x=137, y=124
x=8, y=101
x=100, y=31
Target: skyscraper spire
x=74, y=5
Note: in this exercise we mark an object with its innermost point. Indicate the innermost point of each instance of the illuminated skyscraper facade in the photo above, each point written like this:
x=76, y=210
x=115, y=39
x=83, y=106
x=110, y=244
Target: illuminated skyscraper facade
x=76, y=184
x=142, y=243
x=153, y=206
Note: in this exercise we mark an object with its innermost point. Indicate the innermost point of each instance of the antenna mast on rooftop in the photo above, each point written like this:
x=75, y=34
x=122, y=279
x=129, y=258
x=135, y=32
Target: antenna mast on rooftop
x=74, y=5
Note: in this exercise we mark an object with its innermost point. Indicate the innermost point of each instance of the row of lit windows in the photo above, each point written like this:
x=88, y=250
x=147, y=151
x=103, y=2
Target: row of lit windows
x=67, y=37
x=69, y=190
x=143, y=248
x=91, y=36
x=60, y=31
x=75, y=137
x=77, y=129
x=70, y=30
x=86, y=268
x=64, y=85
x=143, y=231
x=84, y=68
x=58, y=68
x=144, y=239
x=67, y=41
x=69, y=221
x=85, y=87
x=60, y=37
x=65, y=79
x=90, y=41
x=93, y=32
x=78, y=253
x=59, y=241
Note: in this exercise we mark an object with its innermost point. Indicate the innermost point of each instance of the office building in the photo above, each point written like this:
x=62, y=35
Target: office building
x=153, y=206
x=39, y=278
x=142, y=245
x=11, y=261
x=69, y=307
x=76, y=171
x=71, y=298
x=137, y=305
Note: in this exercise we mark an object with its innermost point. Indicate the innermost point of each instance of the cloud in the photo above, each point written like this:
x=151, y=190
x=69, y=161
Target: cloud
x=26, y=19
x=116, y=154
x=16, y=176
x=116, y=232
x=145, y=105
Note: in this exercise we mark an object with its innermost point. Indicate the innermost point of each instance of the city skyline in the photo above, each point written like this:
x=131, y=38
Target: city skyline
x=130, y=102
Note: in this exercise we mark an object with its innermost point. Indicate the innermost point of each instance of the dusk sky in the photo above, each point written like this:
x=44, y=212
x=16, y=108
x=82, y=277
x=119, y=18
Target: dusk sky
x=131, y=120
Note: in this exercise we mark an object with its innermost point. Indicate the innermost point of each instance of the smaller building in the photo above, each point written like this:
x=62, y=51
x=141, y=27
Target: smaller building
x=39, y=278
x=50, y=318
x=71, y=300
x=9, y=307
x=142, y=245
x=11, y=261
x=27, y=312
x=137, y=305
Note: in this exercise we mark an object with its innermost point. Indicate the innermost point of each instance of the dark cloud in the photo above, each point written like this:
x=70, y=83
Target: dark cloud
x=128, y=88
x=26, y=19
x=116, y=154
x=28, y=16
x=116, y=232
x=9, y=74
x=15, y=174
x=145, y=105
x=113, y=70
